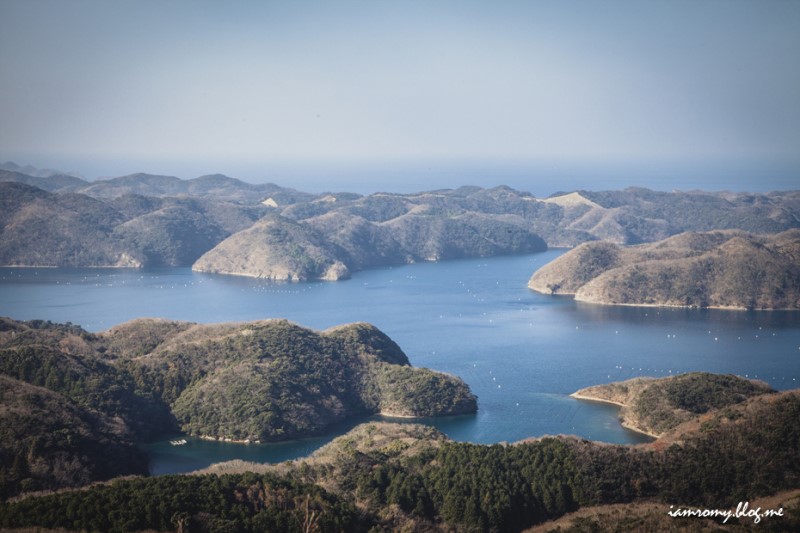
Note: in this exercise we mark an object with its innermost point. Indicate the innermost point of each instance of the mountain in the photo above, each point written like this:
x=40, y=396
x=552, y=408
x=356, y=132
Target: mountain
x=141, y=184
x=274, y=248
x=30, y=170
x=50, y=182
x=213, y=186
x=273, y=380
x=338, y=234
x=400, y=477
x=46, y=229
x=387, y=229
x=75, y=230
x=727, y=269
x=163, y=220
x=216, y=186
x=74, y=405
x=414, y=478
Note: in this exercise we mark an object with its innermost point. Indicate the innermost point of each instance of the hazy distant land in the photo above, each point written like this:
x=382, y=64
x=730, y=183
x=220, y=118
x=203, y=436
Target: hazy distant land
x=219, y=224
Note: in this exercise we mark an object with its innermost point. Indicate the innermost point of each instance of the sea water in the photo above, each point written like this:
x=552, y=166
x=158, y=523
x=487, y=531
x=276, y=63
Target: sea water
x=521, y=352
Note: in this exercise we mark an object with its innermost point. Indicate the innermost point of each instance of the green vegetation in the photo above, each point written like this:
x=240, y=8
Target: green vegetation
x=231, y=503
x=744, y=452
x=393, y=477
x=48, y=441
x=271, y=380
x=407, y=391
x=665, y=404
x=657, y=406
x=274, y=380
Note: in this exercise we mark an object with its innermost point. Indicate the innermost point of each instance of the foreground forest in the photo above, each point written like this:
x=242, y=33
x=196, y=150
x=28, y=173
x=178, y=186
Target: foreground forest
x=391, y=477
x=219, y=224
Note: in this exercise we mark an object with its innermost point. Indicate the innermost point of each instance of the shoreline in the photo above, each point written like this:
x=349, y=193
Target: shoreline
x=622, y=422
x=668, y=306
x=388, y=414
x=227, y=439
x=578, y=396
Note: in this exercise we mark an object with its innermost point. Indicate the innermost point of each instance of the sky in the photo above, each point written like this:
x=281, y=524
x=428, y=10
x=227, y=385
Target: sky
x=387, y=95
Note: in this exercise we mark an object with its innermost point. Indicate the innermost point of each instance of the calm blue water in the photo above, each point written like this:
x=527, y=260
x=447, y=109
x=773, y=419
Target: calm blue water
x=522, y=353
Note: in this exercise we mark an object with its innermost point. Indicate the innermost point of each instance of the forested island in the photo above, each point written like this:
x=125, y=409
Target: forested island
x=219, y=224
x=390, y=477
x=722, y=269
x=76, y=404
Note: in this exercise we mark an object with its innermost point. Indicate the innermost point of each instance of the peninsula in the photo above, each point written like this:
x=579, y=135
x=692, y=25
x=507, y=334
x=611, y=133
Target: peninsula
x=722, y=269
x=655, y=406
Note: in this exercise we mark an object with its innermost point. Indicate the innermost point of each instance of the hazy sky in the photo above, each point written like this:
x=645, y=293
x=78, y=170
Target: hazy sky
x=257, y=88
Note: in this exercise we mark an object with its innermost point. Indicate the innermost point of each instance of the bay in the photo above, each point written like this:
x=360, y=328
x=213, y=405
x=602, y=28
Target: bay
x=521, y=352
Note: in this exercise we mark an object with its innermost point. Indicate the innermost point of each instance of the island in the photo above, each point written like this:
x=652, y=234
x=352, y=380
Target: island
x=76, y=404
x=718, y=269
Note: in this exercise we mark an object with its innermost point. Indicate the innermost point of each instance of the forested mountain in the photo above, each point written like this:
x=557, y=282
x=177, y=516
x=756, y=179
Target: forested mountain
x=218, y=224
x=727, y=269
x=72, y=400
x=391, y=477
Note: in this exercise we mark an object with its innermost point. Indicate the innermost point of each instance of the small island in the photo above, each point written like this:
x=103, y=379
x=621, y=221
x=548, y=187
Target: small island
x=719, y=269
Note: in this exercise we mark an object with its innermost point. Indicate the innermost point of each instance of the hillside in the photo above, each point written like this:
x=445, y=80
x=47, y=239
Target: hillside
x=414, y=478
x=214, y=186
x=716, y=269
x=258, y=381
x=39, y=228
x=274, y=248
x=656, y=406
x=273, y=380
x=386, y=229
x=148, y=220
x=391, y=477
x=48, y=441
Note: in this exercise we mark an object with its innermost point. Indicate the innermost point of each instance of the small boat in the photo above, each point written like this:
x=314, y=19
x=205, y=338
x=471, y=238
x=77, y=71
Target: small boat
x=179, y=442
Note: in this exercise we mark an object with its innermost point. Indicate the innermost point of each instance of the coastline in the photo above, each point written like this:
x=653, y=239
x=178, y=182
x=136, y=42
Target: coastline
x=227, y=439
x=389, y=414
x=578, y=396
x=663, y=305
x=624, y=423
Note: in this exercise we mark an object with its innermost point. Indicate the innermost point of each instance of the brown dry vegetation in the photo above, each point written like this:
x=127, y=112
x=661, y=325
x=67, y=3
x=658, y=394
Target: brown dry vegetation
x=717, y=269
